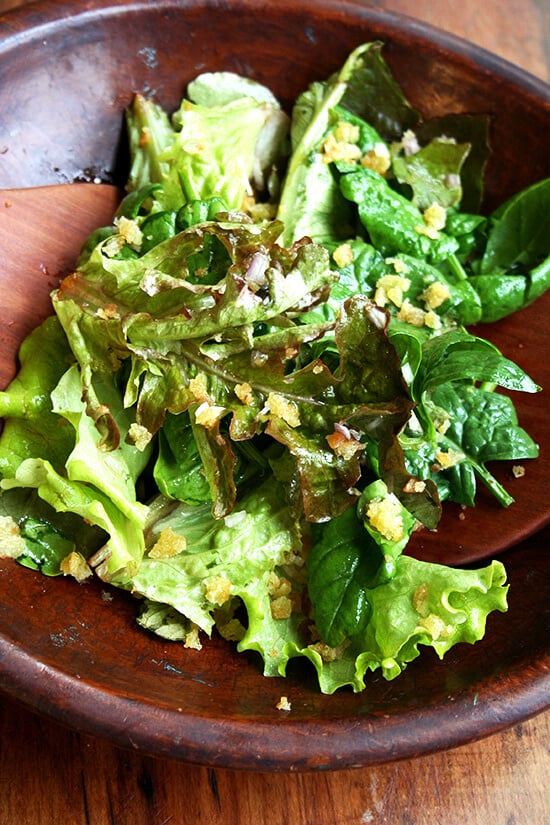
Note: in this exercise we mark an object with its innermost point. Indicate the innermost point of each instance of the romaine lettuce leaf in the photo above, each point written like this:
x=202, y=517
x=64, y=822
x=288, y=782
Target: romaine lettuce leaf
x=214, y=146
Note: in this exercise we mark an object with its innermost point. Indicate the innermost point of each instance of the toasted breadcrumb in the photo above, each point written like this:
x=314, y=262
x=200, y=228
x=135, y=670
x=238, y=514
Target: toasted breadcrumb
x=449, y=458
x=411, y=314
x=378, y=159
x=435, y=216
x=277, y=585
x=432, y=320
x=192, y=639
x=327, y=653
x=347, y=131
x=384, y=514
x=342, y=150
x=244, y=393
x=283, y=704
x=198, y=387
x=76, y=565
x=414, y=485
x=342, y=445
x=168, y=545
x=108, y=312
x=429, y=231
x=343, y=255
x=139, y=436
x=435, y=294
x=281, y=407
x=130, y=231
x=399, y=266
x=281, y=607
x=208, y=415
x=218, y=590
x=12, y=543
x=442, y=424
x=391, y=288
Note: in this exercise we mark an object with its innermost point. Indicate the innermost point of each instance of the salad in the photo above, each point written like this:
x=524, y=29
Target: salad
x=259, y=381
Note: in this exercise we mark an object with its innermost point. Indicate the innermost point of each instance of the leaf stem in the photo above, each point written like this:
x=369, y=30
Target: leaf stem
x=457, y=268
x=494, y=486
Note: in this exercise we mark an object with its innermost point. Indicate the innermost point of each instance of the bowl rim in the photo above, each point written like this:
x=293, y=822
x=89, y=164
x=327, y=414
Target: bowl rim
x=238, y=744
x=33, y=20
x=159, y=730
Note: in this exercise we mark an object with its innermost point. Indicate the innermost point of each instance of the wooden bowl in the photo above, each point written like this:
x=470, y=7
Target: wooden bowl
x=67, y=70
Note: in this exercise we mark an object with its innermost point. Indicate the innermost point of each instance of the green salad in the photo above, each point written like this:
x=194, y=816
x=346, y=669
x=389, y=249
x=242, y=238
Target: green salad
x=258, y=382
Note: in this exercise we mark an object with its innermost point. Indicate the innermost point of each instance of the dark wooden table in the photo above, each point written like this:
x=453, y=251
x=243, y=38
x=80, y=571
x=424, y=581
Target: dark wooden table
x=52, y=775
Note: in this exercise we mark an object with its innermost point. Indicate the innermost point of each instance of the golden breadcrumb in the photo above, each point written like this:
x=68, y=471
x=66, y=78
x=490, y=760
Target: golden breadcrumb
x=384, y=514
x=343, y=255
x=283, y=704
x=217, y=590
x=281, y=407
x=169, y=544
x=76, y=565
x=12, y=543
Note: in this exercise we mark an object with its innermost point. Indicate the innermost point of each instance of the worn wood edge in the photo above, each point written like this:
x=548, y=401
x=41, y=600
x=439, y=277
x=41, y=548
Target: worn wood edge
x=30, y=21
x=130, y=723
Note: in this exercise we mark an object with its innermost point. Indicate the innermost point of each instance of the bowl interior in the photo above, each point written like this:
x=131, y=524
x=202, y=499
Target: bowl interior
x=67, y=71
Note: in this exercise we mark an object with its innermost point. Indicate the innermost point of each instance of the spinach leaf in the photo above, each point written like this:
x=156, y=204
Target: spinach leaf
x=483, y=426
x=514, y=269
x=457, y=355
x=500, y=294
x=463, y=129
x=373, y=95
x=462, y=425
x=433, y=173
x=393, y=223
x=342, y=564
x=519, y=232
x=178, y=470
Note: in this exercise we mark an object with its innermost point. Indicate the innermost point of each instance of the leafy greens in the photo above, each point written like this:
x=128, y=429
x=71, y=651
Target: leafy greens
x=258, y=381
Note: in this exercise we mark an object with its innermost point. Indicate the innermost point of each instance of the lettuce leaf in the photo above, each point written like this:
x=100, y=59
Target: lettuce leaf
x=420, y=605
x=31, y=428
x=423, y=605
x=243, y=372
x=97, y=485
x=241, y=550
x=221, y=142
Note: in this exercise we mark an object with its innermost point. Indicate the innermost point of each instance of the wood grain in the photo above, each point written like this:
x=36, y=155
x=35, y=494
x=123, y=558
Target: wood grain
x=518, y=30
x=52, y=775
